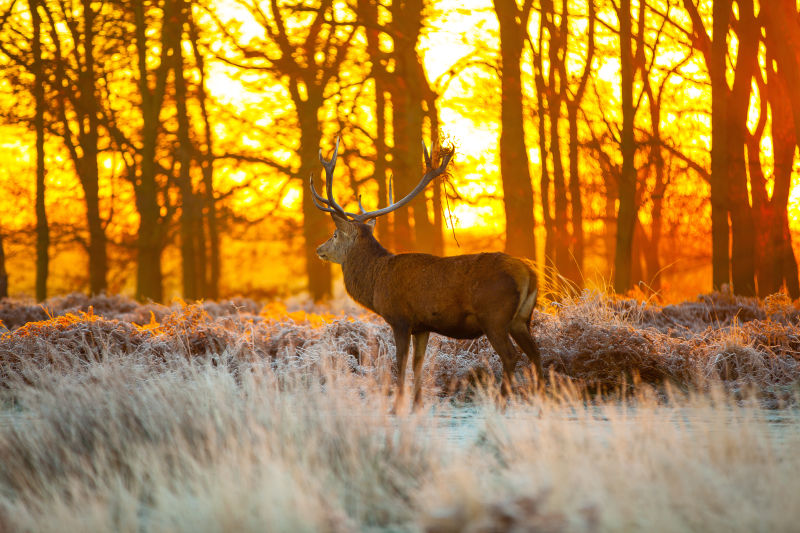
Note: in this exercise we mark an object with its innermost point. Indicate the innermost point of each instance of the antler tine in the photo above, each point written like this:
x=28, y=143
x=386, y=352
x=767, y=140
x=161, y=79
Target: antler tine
x=323, y=205
x=429, y=176
x=318, y=200
x=329, y=166
x=426, y=155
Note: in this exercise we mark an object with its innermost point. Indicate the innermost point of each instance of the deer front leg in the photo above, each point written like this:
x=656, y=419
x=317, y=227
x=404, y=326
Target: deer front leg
x=401, y=341
x=420, y=344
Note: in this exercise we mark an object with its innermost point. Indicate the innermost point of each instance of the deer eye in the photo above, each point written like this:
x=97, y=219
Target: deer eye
x=335, y=234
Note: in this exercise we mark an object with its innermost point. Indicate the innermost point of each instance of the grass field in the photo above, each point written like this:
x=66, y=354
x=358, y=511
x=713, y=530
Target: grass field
x=230, y=416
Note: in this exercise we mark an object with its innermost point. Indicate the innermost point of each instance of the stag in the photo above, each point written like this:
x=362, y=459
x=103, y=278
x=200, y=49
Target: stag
x=462, y=297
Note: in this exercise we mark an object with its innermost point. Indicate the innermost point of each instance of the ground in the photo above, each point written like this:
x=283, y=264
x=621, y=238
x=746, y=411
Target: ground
x=232, y=416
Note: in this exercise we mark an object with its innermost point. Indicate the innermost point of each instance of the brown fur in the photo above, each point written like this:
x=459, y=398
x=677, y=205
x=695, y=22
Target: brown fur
x=464, y=296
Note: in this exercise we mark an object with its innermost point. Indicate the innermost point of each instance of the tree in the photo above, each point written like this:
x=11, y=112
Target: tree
x=409, y=91
x=573, y=105
x=626, y=216
x=42, y=228
x=73, y=90
x=729, y=189
x=307, y=62
x=369, y=17
x=206, y=156
x=783, y=29
x=563, y=247
x=717, y=68
x=514, y=170
x=76, y=82
x=192, y=231
x=3, y=271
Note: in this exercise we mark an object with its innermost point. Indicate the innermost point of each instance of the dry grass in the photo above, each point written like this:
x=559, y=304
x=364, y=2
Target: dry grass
x=599, y=342
x=226, y=416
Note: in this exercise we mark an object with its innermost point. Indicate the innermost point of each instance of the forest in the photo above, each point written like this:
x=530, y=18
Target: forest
x=176, y=355
x=162, y=148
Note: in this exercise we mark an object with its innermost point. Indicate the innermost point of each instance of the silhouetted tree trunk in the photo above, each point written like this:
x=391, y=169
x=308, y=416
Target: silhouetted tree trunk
x=514, y=169
x=783, y=28
x=555, y=96
x=741, y=215
x=729, y=107
x=657, y=163
x=576, y=200
x=406, y=160
x=431, y=110
x=775, y=261
x=307, y=67
x=150, y=236
x=720, y=230
x=79, y=113
x=544, y=178
x=191, y=222
x=315, y=222
x=3, y=272
x=89, y=173
x=783, y=48
x=42, y=227
x=212, y=273
x=437, y=185
x=626, y=216
x=408, y=88
x=368, y=13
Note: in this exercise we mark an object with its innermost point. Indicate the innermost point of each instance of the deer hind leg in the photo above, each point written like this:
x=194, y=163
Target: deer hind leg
x=526, y=342
x=500, y=341
x=520, y=330
x=420, y=344
x=401, y=340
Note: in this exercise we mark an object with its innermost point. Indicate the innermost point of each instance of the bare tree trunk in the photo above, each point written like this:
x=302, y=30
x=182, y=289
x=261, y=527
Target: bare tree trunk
x=576, y=200
x=720, y=236
x=544, y=179
x=89, y=172
x=150, y=238
x=626, y=216
x=437, y=185
x=3, y=271
x=212, y=273
x=407, y=120
x=315, y=222
x=657, y=163
x=42, y=227
x=741, y=214
x=555, y=97
x=514, y=169
x=776, y=263
x=191, y=226
x=575, y=194
x=783, y=27
x=368, y=11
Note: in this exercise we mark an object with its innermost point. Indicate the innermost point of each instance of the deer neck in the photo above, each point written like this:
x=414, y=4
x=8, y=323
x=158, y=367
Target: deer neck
x=362, y=268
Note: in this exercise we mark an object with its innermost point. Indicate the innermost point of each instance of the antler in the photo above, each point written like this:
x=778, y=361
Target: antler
x=430, y=174
x=330, y=205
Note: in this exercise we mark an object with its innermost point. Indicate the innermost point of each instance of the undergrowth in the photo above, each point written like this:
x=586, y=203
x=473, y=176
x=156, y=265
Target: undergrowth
x=232, y=416
x=600, y=343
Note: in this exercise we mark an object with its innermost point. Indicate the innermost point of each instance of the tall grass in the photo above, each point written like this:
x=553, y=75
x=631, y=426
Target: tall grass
x=195, y=448
x=224, y=417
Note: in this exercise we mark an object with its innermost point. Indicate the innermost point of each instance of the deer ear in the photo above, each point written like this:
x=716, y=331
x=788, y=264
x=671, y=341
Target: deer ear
x=342, y=224
x=371, y=224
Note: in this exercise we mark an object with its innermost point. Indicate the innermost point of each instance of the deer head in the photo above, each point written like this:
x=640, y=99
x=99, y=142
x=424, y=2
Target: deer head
x=350, y=227
x=344, y=238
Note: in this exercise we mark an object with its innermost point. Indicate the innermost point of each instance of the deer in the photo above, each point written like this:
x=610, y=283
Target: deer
x=462, y=296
